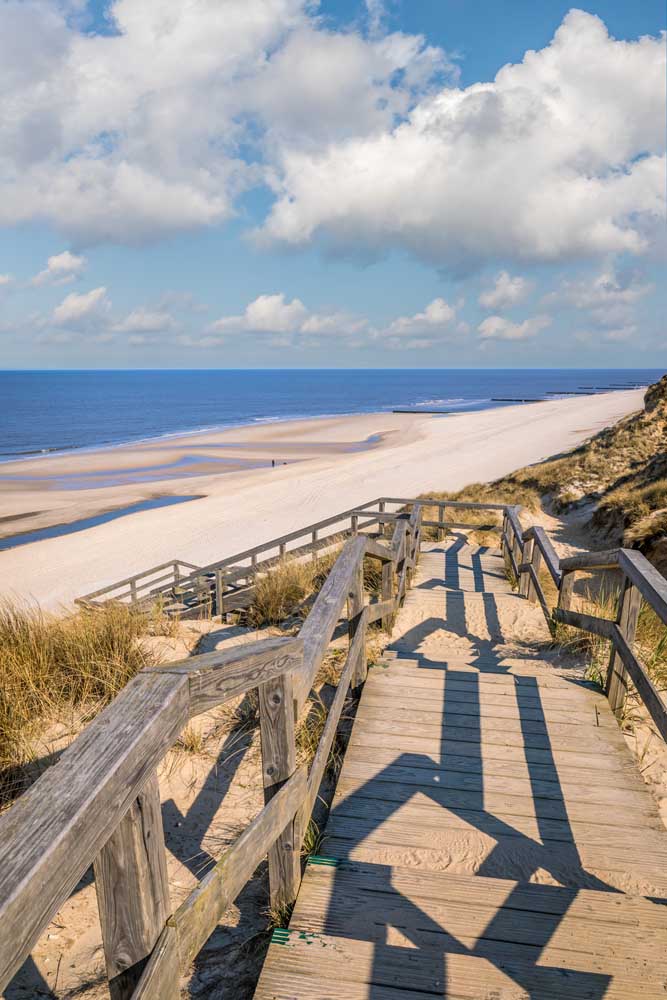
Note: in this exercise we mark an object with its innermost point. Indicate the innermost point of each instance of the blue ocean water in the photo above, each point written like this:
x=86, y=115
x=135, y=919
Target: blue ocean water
x=49, y=411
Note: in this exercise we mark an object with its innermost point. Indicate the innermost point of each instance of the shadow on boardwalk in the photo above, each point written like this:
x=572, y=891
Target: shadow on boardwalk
x=515, y=855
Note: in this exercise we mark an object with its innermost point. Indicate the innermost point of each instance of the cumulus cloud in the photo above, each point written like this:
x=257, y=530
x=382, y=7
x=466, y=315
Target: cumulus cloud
x=291, y=322
x=422, y=329
x=561, y=156
x=6, y=280
x=79, y=311
x=500, y=328
x=142, y=132
x=507, y=291
x=60, y=269
x=142, y=321
x=609, y=299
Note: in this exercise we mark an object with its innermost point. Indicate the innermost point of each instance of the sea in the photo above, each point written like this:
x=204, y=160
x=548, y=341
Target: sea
x=46, y=412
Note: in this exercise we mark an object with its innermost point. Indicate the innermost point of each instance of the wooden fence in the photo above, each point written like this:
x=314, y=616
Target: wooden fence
x=625, y=571
x=100, y=803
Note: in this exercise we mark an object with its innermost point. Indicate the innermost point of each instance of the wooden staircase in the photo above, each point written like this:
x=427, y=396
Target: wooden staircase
x=490, y=836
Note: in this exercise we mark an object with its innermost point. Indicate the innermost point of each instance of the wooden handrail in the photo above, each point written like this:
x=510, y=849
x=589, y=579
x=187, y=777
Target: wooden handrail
x=102, y=798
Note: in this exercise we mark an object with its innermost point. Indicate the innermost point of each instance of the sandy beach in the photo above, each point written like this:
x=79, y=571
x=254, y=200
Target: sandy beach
x=322, y=465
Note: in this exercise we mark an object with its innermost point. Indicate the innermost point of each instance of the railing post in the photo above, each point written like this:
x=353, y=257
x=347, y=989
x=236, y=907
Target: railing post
x=355, y=606
x=132, y=891
x=388, y=569
x=536, y=563
x=133, y=592
x=565, y=591
x=524, y=576
x=354, y=523
x=276, y=720
x=314, y=541
x=381, y=508
x=441, y=524
x=219, y=592
x=628, y=613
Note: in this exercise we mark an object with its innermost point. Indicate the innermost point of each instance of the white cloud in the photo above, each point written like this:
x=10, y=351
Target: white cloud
x=507, y=291
x=142, y=320
x=500, y=328
x=423, y=328
x=136, y=134
x=266, y=314
x=561, y=156
x=80, y=311
x=6, y=280
x=60, y=269
x=610, y=299
x=607, y=289
x=291, y=323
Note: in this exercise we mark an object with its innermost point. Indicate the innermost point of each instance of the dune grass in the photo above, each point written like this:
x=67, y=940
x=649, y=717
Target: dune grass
x=52, y=667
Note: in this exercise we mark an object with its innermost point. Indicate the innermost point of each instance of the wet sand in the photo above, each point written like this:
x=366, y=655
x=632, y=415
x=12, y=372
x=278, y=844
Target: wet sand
x=331, y=464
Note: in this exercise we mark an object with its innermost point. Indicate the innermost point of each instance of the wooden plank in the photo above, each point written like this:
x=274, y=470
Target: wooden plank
x=591, y=742
x=551, y=558
x=628, y=613
x=276, y=720
x=456, y=828
x=321, y=757
x=509, y=802
x=465, y=525
x=496, y=707
x=378, y=550
x=625, y=775
x=418, y=745
x=54, y=832
x=357, y=621
x=380, y=609
x=319, y=626
x=159, y=980
x=603, y=627
x=592, y=904
x=132, y=890
x=342, y=963
x=638, y=801
x=651, y=584
x=216, y=677
x=456, y=504
x=608, y=559
x=197, y=917
x=646, y=689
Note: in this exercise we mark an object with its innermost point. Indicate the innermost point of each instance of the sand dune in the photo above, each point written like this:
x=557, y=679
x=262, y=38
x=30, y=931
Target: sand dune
x=331, y=466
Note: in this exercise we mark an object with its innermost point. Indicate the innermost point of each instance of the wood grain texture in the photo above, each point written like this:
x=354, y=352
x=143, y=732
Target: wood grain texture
x=216, y=677
x=276, y=720
x=159, y=980
x=54, y=832
x=132, y=890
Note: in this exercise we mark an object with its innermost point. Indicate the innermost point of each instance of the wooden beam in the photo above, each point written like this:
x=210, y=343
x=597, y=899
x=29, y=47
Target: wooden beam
x=132, y=891
x=216, y=677
x=603, y=627
x=628, y=613
x=190, y=927
x=591, y=560
x=53, y=833
x=276, y=720
x=646, y=689
x=646, y=578
x=324, y=615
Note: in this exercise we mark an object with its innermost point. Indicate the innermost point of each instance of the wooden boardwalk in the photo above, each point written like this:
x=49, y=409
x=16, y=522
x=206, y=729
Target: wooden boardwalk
x=490, y=837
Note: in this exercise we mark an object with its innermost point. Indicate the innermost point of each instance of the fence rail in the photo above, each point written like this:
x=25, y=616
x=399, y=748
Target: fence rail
x=636, y=580
x=100, y=804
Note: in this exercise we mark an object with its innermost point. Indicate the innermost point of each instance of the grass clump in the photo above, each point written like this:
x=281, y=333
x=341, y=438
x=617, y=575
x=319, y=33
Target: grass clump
x=52, y=667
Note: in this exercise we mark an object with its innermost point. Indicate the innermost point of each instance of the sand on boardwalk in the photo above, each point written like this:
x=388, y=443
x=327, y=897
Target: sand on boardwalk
x=333, y=464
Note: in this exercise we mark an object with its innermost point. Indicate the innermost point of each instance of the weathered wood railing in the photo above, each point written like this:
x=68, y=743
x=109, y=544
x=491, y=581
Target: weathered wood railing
x=100, y=804
x=527, y=552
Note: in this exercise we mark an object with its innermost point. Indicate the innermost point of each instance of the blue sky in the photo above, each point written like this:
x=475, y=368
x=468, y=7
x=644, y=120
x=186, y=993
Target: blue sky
x=278, y=183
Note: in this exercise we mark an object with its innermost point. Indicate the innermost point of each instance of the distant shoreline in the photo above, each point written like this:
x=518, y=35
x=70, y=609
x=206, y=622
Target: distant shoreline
x=334, y=463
